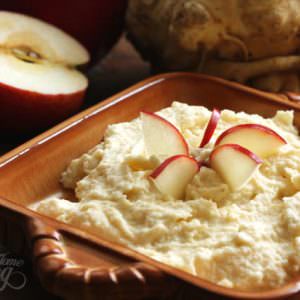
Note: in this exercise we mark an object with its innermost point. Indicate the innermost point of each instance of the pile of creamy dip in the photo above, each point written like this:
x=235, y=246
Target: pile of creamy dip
x=248, y=239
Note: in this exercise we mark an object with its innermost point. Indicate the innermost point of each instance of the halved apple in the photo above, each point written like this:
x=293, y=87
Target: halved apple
x=259, y=139
x=39, y=83
x=235, y=164
x=161, y=137
x=211, y=127
x=96, y=24
x=174, y=174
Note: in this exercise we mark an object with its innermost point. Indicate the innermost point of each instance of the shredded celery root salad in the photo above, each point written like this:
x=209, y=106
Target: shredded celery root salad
x=215, y=193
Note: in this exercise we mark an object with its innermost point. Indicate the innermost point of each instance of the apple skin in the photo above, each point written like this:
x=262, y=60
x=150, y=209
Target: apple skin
x=237, y=167
x=23, y=112
x=171, y=127
x=238, y=148
x=259, y=139
x=262, y=128
x=96, y=24
x=163, y=165
x=211, y=126
x=174, y=174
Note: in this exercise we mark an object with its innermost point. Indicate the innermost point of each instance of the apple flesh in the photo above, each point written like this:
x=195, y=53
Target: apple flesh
x=235, y=164
x=211, y=127
x=174, y=174
x=39, y=83
x=95, y=24
x=259, y=139
x=161, y=137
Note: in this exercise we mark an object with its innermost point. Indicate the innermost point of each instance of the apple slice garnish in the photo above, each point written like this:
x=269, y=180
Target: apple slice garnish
x=174, y=174
x=210, y=128
x=235, y=164
x=161, y=137
x=39, y=80
x=259, y=139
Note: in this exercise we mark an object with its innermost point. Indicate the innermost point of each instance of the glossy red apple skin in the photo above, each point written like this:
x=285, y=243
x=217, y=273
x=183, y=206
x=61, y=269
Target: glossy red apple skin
x=170, y=126
x=23, y=112
x=96, y=24
x=238, y=148
x=262, y=128
x=174, y=174
x=169, y=160
x=211, y=126
x=235, y=164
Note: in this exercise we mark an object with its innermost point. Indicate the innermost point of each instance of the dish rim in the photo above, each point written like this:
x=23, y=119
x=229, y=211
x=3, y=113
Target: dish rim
x=287, y=289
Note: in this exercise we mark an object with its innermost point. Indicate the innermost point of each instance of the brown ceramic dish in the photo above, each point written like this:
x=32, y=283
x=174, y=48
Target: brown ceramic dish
x=77, y=265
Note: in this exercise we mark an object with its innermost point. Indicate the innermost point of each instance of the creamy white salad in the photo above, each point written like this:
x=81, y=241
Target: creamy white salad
x=244, y=235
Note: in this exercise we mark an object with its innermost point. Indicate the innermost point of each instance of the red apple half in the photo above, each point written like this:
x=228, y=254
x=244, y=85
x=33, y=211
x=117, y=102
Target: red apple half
x=259, y=139
x=235, y=164
x=174, y=174
x=211, y=127
x=161, y=137
x=95, y=23
x=39, y=83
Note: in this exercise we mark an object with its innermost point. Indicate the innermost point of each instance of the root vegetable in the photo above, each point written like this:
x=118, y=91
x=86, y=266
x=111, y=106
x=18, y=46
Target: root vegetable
x=249, y=41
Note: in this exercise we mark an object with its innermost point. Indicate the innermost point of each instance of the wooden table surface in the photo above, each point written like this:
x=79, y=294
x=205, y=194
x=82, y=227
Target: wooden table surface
x=120, y=69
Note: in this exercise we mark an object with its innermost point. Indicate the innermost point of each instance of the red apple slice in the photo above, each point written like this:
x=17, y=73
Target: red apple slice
x=259, y=139
x=39, y=83
x=161, y=137
x=210, y=128
x=235, y=164
x=174, y=174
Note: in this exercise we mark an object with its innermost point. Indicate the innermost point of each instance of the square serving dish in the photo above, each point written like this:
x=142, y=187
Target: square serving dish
x=76, y=265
